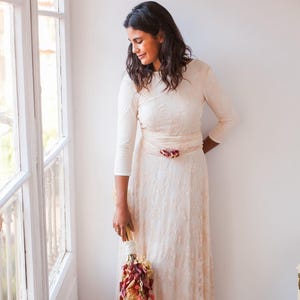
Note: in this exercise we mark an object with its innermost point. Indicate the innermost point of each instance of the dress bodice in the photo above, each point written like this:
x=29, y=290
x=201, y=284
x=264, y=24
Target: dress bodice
x=175, y=113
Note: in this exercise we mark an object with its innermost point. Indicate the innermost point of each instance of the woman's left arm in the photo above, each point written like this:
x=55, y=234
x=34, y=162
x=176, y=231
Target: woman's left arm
x=222, y=108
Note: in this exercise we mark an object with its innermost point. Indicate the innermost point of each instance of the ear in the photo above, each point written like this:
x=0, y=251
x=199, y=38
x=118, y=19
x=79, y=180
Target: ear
x=161, y=37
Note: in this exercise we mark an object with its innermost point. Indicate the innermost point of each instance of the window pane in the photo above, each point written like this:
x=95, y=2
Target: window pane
x=50, y=81
x=55, y=215
x=9, y=141
x=12, y=260
x=50, y=5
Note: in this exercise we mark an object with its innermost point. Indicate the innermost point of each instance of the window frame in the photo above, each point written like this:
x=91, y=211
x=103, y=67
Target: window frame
x=30, y=178
x=66, y=142
x=27, y=179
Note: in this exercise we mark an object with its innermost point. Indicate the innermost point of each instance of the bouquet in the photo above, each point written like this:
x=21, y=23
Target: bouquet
x=137, y=274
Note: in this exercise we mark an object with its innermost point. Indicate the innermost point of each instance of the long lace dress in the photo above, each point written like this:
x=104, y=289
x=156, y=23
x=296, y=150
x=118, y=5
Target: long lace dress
x=168, y=197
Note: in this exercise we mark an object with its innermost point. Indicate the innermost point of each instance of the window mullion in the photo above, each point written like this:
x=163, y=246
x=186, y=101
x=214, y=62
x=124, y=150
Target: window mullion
x=11, y=188
x=64, y=85
x=53, y=154
x=34, y=210
x=51, y=14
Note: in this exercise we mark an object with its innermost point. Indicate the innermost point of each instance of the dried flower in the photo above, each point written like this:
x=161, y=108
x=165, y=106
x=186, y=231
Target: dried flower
x=172, y=153
x=137, y=277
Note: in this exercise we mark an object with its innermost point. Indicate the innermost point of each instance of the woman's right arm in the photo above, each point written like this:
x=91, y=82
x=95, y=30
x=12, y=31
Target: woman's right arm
x=126, y=132
x=122, y=217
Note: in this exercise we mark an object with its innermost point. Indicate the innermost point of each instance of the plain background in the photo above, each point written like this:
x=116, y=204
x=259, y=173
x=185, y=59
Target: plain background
x=254, y=48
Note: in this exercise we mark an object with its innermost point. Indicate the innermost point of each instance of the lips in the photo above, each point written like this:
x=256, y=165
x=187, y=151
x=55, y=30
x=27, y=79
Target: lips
x=141, y=56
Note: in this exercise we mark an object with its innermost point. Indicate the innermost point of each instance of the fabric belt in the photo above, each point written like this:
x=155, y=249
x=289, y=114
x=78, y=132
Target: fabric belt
x=170, y=146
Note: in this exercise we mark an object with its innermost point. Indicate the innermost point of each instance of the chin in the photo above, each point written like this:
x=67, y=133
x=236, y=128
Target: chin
x=145, y=62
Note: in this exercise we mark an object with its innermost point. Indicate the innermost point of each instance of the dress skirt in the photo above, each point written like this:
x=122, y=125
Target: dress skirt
x=168, y=201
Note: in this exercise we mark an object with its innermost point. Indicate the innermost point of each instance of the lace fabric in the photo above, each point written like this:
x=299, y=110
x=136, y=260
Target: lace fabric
x=168, y=197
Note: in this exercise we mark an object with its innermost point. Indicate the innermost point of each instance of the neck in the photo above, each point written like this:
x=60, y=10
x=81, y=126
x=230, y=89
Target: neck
x=156, y=65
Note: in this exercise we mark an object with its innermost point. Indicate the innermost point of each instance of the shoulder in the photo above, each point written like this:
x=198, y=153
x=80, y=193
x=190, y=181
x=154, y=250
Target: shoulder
x=127, y=92
x=127, y=84
x=198, y=65
x=197, y=70
x=126, y=80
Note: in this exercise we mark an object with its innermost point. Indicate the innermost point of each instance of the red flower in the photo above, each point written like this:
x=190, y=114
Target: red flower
x=172, y=153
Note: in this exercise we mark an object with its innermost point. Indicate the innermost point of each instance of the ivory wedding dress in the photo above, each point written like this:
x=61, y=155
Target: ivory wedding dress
x=168, y=197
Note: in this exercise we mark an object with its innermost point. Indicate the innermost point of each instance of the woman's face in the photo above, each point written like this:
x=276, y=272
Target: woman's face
x=145, y=46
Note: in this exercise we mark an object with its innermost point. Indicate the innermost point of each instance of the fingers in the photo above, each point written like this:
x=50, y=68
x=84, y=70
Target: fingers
x=122, y=223
x=121, y=227
x=121, y=230
x=123, y=234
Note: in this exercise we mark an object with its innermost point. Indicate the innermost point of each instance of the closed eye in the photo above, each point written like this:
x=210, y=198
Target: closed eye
x=137, y=40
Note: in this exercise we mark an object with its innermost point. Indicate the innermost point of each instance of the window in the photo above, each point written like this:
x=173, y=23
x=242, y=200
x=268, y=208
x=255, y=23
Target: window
x=9, y=139
x=35, y=150
x=54, y=130
x=12, y=272
x=13, y=173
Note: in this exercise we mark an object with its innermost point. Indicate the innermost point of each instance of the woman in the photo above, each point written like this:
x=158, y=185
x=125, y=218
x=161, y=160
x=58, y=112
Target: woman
x=161, y=181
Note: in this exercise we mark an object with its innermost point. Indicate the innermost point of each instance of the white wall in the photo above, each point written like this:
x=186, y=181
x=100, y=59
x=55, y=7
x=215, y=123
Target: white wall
x=254, y=48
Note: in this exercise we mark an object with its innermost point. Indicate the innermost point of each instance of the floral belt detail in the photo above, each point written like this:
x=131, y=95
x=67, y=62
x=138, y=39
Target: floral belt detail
x=171, y=153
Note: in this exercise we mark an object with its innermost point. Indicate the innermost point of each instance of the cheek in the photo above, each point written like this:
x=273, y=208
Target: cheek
x=156, y=51
x=142, y=48
x=153, y=50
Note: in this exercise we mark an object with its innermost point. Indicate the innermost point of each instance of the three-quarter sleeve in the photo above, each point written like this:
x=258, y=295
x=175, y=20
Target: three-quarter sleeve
x=126, y=127
x=220, y=105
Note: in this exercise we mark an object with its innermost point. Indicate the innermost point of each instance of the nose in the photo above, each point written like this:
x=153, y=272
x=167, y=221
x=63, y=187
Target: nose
x=135, y=48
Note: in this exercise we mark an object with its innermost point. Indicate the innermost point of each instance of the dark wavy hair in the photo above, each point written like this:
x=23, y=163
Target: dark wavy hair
x=174, y=54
